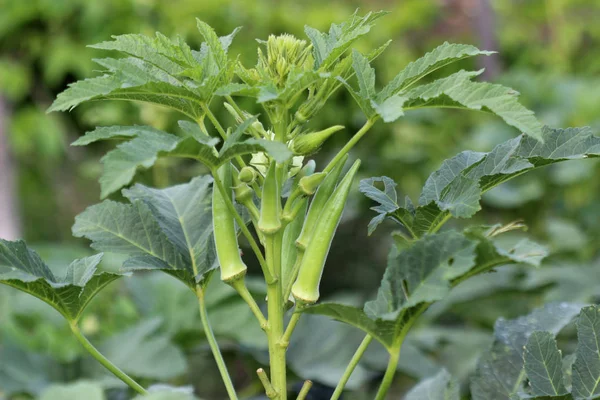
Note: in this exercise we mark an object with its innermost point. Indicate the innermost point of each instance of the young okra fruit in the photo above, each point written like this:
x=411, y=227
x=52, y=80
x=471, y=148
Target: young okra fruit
x=259, y=164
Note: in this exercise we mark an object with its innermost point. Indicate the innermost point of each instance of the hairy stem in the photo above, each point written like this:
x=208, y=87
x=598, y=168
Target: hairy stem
x=105, y=361
x=214, y=346
x=238, y=218
x=351, y=143
x=351, y=367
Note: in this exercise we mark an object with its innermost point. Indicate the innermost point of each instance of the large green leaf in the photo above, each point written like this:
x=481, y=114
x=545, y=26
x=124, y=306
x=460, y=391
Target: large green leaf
x=23, y=269
x=160, y=229
x=586, y=368
x=438, y=387
x=158, y=70
x=74, y=391
x=543, y=365
x=146, y=144
x=439, y=57
x=165, y=392
x=424, y=273
x=459, y=91
x=500, y=372
x=455, y=188
x=328, y=47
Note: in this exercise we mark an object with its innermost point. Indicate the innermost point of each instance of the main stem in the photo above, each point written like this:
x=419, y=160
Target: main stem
x=105, y=361
x=214, y=346
x=276, y=313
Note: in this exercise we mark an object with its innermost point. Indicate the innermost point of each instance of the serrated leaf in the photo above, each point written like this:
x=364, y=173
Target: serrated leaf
x=422, y=273
x=445, y=54
x=543, y=365
x=23, y=269
x=458, y=90
x=193, y=129
x=456, y=187
x=328, y=47
x=160, y=229
x=500, y=372
x=586, y=368
x=439, y=387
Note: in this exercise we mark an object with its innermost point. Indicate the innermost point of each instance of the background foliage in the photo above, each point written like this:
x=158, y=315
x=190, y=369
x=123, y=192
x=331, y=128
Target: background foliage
x=547, y=50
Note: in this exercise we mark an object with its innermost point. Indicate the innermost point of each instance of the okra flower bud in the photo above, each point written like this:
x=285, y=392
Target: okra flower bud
x=311, y=142
x=228, y=252
x=306, y=287
x=318, y=203
x=309, y=184
x=270, y=210
x=247, y=175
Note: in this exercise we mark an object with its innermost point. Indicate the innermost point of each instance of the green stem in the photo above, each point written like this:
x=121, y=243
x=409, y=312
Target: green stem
x=350, y=144
x=388, y=378
x=214, y=346
x=293, y=273
x=221, y=131
x=285, y=339
x=263, y=264
x=264, y=379
x=351, y=367
x=240, y=286
x=304, y=391
x=105, y=361
x=276, y=310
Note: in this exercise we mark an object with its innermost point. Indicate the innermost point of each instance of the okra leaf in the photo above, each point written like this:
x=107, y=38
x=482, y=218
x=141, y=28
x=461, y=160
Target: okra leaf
x=157, y=70
x=160, y=229
x=328, y=47
x=439, y=387
x=424, y=273
x=475, y=173
x=184, y=214
x=500, y=371
x=23, y=269
x=121, y=164
x=73, y=391
x=164, y=392
x=543, y=365
x=586, y=368
x=445, y=54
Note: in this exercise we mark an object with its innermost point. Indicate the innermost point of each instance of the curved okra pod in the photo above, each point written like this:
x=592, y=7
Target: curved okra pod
x=306, y=286
x=225, y=234
x=318, y=203
x=289, y=251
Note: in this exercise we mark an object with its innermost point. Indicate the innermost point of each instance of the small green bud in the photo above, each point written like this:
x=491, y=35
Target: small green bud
x=243, y=193
x=311, y=142
x=309, y=184
x=247, y=175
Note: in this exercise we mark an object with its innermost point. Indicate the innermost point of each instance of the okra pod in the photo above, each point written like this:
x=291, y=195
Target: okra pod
x=306, y=286
x=318, y=202
x=310, y=143
x=225, y=234
x=270, y=210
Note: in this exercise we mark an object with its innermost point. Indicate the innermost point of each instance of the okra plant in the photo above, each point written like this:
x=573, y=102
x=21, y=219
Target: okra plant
x=263, y=188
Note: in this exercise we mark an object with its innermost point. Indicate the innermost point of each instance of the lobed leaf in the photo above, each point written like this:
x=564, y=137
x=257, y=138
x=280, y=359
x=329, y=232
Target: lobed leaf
x=586, y=368
x=23, y=269
x=500, y=371
x=456, y=187
x=543, y=365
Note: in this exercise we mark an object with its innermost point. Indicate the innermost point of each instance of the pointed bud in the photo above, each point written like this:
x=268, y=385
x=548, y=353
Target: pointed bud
x=309, y=184
x=311, y=142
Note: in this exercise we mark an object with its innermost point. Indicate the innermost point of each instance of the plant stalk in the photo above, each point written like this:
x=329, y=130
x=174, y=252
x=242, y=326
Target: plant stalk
x=351, y=367
x=214, y=346
x=275, y=332
x=304, y=391
x=105, y=361
x=351, y=143
x=388, y=378
x=240, y=286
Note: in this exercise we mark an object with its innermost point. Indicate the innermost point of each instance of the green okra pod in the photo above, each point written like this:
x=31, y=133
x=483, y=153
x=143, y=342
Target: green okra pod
x=225, y=234
x=270, y=210
x=309, y=184
x=318, y=203
x=310, y=143
x=306, y=286
x=289, y=251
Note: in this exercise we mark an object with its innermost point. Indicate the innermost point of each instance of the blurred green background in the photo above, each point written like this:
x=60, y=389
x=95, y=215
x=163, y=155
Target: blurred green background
x=549, y=50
